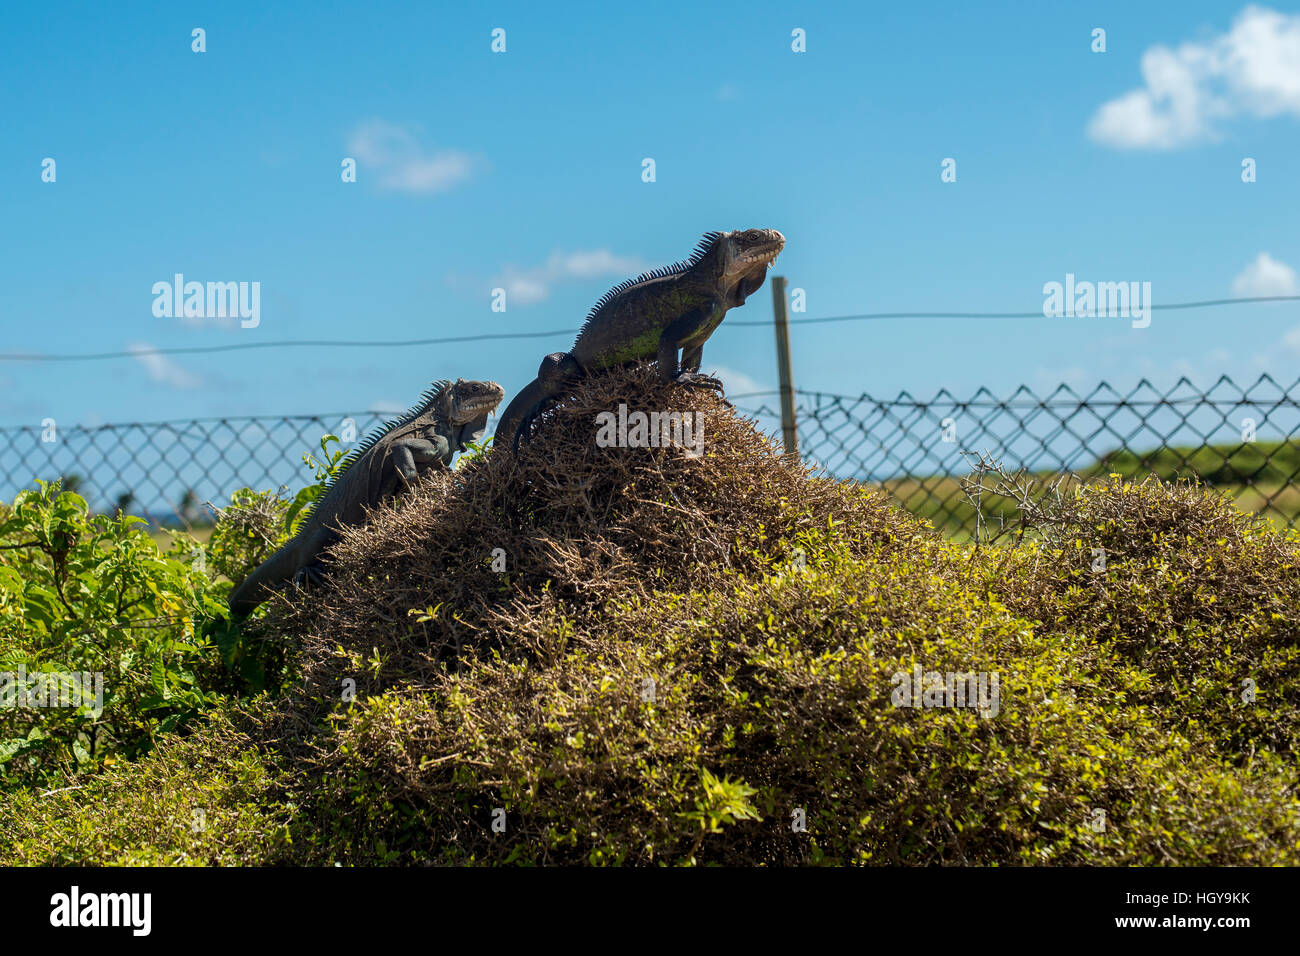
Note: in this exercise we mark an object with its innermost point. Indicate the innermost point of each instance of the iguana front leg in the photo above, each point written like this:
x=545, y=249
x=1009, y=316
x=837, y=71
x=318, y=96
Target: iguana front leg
x=687, y=328
x=408, y=453
x=692, y=357
x=406, y=459
x=688, y=374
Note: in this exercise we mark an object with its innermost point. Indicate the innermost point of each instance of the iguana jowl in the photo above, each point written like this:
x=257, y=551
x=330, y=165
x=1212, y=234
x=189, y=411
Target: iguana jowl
x=447, y=416
x=651, y=317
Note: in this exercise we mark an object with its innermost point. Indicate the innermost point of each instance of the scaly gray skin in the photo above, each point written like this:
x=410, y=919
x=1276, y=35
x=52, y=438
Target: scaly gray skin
x=651, y=317
x=446, y=418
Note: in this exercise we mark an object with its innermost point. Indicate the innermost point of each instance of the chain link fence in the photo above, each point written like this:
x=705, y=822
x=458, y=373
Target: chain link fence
x=1245, y=441
x=165, y=471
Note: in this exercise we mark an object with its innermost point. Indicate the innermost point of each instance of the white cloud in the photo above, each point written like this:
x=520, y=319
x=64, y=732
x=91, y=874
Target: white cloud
x=402, y=163
x=161, y=369
x=1253, y=69
x=735, y=383
x=532, y=285
x=1266, y=276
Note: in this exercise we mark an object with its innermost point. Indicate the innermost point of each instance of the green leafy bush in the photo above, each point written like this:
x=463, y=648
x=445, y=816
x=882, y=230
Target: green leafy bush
x=782, y=683
x=247, y=532
x=84, y=594
x=200, y=800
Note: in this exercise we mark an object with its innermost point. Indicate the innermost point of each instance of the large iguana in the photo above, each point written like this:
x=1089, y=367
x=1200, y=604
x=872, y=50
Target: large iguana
x=446, y=417
x=651, y=317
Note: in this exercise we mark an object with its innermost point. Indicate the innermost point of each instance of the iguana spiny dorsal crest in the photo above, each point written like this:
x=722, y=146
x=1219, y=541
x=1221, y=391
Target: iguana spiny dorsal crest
x=653, y=316
x=447, y=417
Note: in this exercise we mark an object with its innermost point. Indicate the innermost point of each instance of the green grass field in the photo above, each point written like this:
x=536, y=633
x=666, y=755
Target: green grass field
x=1259, y=478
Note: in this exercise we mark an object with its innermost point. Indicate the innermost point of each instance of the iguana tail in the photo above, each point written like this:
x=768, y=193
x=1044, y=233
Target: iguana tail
x=520, y=408
x=557, y=369
x=271, y=573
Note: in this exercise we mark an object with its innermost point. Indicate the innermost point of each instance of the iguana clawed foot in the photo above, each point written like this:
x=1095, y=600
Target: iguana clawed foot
x=310, y=575
x=526, y=424
x=696, y=380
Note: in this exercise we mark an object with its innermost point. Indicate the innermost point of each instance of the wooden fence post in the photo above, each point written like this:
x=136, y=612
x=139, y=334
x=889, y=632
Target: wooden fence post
x=780, y=312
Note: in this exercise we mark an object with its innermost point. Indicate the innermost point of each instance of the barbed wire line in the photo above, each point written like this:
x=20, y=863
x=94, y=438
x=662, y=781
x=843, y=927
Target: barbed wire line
x=1203, y=304
x=278, y=344
x=498, y=336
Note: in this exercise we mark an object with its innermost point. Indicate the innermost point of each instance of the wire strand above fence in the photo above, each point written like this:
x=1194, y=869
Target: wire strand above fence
x=497, y=336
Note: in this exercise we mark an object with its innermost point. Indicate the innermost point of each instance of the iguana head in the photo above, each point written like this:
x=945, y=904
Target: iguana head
x=471, y=401
x=742, y=258
x=465, y=409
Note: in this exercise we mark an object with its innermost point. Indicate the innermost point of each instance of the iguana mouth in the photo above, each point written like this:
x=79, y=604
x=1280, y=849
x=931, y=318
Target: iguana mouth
x=762, y=251
x=471, y=409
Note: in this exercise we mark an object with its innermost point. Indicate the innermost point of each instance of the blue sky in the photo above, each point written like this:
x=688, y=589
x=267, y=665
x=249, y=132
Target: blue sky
x=523, y=169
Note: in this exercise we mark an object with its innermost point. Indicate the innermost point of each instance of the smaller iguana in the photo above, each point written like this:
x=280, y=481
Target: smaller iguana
x=446, y=417
x=652, y=317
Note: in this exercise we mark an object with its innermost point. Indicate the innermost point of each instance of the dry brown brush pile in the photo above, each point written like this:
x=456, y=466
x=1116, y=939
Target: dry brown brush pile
x=577, y=526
